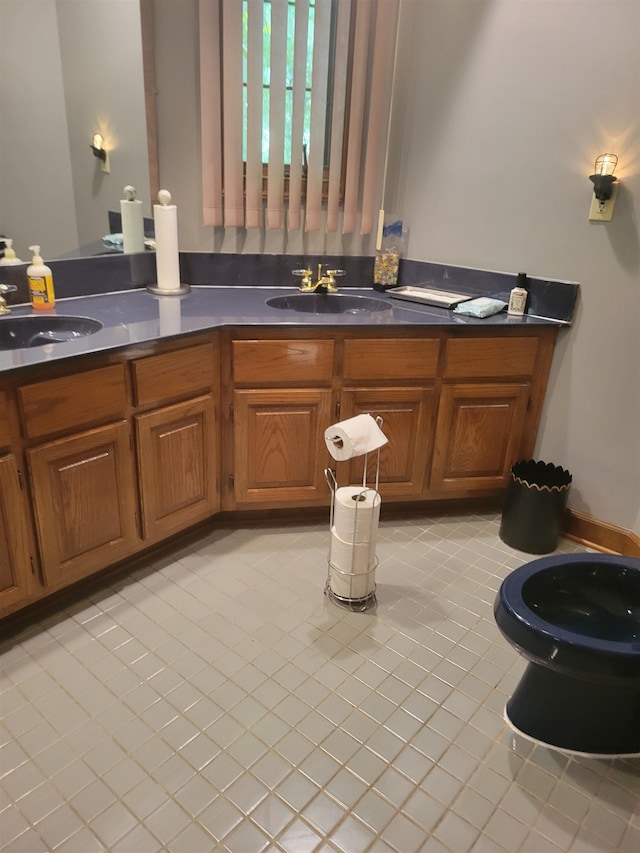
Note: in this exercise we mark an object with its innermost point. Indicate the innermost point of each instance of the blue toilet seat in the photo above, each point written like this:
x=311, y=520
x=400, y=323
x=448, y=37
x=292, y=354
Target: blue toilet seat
x=575, y=613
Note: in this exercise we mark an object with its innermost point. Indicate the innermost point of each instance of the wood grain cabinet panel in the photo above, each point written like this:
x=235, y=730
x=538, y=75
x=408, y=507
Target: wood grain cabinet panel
x=85, y=502
x=74, y=401
x=478, y=435
x=174, y=374
x=408, y=421
x=177, y=460
x=405, y=359
x=5, y=431
x=468, y=358
x=277, y=362
x=15, y=563
x=280, y=454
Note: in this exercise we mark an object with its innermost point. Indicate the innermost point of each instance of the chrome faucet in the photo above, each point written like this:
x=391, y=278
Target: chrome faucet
x=326, y=282
x=5, y=288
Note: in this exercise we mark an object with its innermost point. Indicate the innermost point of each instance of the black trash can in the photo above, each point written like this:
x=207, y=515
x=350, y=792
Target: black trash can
x=534, y=505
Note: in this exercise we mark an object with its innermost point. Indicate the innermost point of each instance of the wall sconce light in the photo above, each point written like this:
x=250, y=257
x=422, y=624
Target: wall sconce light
x=99, y=151
x=604, y=188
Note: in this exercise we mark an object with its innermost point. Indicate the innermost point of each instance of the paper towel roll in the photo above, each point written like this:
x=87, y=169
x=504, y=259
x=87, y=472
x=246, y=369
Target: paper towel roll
x=356, y=513
x=165, y=217
x=132, y=222
x=354, y=437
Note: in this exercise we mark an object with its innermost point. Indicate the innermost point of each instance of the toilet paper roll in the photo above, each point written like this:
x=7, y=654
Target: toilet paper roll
x=356, y=513
x=354, y=437
x=165, y=217
x=352, y=586
x=132, y=226
x=351, y=558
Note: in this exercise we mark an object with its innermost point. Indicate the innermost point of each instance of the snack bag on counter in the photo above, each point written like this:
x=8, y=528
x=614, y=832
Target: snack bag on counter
x=387, y=261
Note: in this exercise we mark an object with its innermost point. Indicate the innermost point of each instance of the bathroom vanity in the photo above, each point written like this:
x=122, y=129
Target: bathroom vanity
x=112, y=444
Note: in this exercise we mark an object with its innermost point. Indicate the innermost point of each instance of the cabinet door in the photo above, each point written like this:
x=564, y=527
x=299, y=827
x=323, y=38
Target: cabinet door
x=478, y=435
x=407, y=415
x=85, y=502
x=15, y=564
x=177, y=459
x=280, y=454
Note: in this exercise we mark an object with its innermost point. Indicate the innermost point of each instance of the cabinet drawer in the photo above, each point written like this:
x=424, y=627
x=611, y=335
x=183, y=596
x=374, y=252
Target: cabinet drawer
x=279, y=361
x=401, y=358
x=73, y=401
x=173, y=374
x=5, y=432
x=495, y=357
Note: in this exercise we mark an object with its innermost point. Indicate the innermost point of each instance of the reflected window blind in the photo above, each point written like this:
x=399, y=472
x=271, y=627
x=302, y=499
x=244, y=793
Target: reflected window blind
x=295, y=99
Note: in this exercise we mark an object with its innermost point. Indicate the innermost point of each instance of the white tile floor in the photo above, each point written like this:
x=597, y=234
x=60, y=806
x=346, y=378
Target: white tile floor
x=216, y=700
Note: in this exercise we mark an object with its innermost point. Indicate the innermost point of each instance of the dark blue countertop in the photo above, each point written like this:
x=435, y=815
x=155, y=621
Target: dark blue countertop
x=135, y=316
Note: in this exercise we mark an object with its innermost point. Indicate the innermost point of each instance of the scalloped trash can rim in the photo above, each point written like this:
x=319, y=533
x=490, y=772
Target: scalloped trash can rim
x=543, y=476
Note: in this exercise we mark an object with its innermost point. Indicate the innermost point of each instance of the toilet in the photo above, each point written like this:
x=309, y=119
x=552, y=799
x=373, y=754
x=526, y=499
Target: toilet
x=576, y=619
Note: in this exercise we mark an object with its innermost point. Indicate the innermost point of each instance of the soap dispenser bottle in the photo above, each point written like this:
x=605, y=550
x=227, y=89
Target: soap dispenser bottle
x=9, y=258
x=40, y=282
x=518, y=296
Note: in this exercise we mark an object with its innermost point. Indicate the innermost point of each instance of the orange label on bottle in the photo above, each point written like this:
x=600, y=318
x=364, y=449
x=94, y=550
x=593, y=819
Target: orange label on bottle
x=41, y=291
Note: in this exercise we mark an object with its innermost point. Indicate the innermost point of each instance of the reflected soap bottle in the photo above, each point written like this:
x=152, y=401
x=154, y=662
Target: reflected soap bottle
x=40, y=282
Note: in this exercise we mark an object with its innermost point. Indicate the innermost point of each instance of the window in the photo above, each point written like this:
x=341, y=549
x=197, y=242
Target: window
x=295, y=97
x=290, y=56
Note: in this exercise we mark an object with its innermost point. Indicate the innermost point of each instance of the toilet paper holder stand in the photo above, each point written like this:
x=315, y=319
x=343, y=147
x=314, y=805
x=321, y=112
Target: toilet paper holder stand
x=361, y=585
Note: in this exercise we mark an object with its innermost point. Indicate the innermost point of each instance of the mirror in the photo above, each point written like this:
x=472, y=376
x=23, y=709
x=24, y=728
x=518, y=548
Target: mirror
x=69, y=69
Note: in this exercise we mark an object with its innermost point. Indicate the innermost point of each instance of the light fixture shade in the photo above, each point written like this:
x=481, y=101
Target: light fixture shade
x=606, y=164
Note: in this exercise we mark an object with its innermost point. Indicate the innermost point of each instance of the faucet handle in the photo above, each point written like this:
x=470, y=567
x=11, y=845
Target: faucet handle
x=331, y=279
x=5, y=288
x=305, y=284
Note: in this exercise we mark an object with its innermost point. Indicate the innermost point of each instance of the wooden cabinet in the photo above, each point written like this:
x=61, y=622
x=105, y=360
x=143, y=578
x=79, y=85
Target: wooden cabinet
x=392, y=378
x=15, y=561
x=178, y=466
x=280, y=454
x=85, y=502
x=407, y=420
x=490, y=399
x=458, y=409
x=479, y=431
x=177, y=445
x=120, y=456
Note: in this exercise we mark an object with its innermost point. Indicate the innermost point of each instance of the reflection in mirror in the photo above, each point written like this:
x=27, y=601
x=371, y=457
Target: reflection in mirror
x=70, y=69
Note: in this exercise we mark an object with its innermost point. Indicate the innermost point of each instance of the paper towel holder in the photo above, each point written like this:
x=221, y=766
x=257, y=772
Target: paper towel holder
x=163, y=291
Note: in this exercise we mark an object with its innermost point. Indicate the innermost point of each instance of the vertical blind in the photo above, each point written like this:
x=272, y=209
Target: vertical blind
x=350, y=58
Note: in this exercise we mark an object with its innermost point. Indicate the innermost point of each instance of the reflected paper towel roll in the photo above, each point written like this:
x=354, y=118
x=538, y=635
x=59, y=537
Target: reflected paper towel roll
x=170, y=316
x=132, y=222
x=354, y=437
x=165, y=217
x=356, y=513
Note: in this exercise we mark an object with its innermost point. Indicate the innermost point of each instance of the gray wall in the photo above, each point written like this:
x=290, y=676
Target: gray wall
x=503, y=107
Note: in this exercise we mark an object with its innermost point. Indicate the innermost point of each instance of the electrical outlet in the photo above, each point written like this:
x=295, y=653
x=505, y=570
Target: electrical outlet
x=603, y=211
